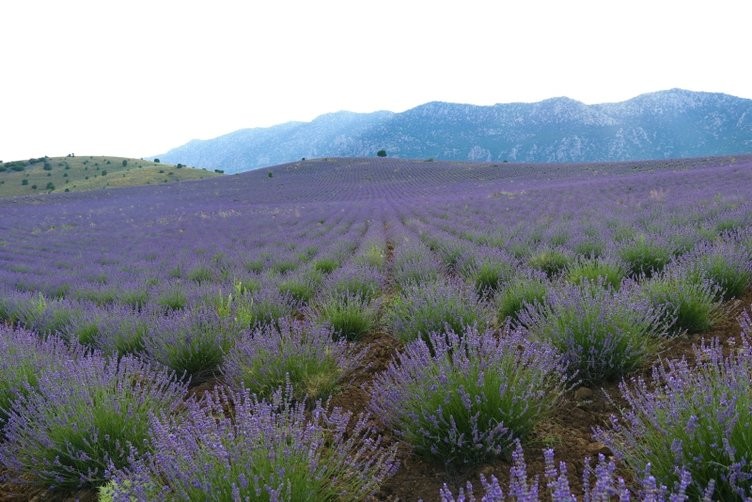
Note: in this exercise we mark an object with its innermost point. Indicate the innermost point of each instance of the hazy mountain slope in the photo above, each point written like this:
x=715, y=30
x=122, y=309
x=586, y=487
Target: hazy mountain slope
x=666, y=124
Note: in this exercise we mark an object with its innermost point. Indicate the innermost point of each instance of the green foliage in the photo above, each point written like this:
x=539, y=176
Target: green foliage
x=518, y=293
x=550, y=261
x=644, y=257
x=695, y=416
x=284, y=266
x=381, y=153
x=325, y=265
x=603, y=334
x=435, y=307
x=173, y=299
x=693, y=306
x=732, y=274
x=373, y=256
x=488, y=276
x=351, y=316
x=596, y=271
x=201, y=274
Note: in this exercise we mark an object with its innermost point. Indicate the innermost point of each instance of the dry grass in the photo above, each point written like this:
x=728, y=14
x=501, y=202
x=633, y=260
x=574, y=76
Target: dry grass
x=76, y=174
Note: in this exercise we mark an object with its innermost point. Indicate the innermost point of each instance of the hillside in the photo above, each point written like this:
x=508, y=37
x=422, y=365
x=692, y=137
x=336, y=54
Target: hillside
x=666, y=124
x=75, y=174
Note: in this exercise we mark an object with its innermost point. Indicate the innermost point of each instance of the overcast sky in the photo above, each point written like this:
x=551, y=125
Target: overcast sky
x=137, y=78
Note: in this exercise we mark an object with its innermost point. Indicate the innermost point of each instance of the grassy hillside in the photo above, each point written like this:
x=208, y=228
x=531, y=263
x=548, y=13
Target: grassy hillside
x=75, y=174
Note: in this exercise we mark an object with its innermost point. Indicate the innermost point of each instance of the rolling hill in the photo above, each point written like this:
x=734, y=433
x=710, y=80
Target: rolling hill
x=667, y=124
x=75, y=174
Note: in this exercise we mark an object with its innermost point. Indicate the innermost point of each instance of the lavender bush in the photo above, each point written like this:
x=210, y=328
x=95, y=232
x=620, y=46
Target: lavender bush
x=263, y=307
x=89, y=414
x=191, y=342
x=301, y=352
x=423, y=309
x=266, y=450
x=350, y=315
x=691, y=305
x=602, y=333
x=692, y=418
x=114, y=330
x=594, y=270
x=550, y=261
x=726, y=264
x=25, y=357
x=466, y=398
x=364, y=281
x=600, y=484
x=518, y=293
x=644, y=257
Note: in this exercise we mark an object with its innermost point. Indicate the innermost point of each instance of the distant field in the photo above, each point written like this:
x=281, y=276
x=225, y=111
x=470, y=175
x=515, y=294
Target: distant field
x=76, y=174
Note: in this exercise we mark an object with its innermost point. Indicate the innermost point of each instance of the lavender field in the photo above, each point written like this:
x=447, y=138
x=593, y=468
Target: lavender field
x=383, y=329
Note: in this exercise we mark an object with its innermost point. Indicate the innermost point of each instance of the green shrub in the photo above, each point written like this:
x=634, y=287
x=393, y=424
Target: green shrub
x=550, y=261
x=606, y=272
x=693, y=306
x=350, y=315
x=644, y=257
x=518, y=293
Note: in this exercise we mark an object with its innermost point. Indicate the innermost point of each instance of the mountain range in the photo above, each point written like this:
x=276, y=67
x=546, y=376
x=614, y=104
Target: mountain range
x=666, y=124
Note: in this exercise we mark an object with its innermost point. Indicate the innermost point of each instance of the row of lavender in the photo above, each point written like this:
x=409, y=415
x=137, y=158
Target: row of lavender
x=587, y=292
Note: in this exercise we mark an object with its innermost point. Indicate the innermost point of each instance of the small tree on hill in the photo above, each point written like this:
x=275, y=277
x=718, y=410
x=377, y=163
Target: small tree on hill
x=381, y=153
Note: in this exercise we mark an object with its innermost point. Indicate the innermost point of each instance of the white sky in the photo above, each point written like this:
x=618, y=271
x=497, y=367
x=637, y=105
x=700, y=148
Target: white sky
x=136, y=78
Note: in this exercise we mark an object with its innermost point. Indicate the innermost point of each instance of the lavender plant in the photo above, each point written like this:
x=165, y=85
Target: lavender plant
x=423, y=309
x=25, y=357
x=726, y=264
x=692, y=418
x=596, y=270
x=517, y=294
x=266, y=306
x=301, y=352
x=266, y=450
x=192, y=342
x=466, y=398
x=644, y=257
x=350, y=315
x=114, y=330
x=302, y=288
x=602, y=333
x=361, y=280
x=83, y=417
x=550, y=261
x=37, y=313
x=600, y=484
x=488, y=275
x=690, y=305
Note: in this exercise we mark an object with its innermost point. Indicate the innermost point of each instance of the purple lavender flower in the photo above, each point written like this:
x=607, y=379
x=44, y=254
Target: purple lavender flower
x=600, y=484
x=86, y=414
x=266, y=450
x=602, y=333
x=692, y=418
x=25, y=357
x=191, y=342
x=465, y=398
x=425, y=308
x=302, y=353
